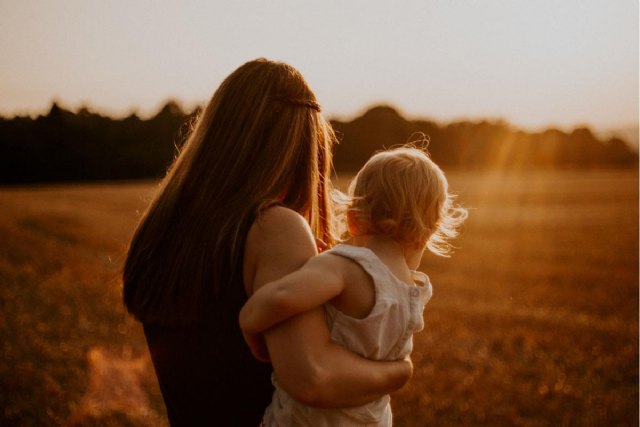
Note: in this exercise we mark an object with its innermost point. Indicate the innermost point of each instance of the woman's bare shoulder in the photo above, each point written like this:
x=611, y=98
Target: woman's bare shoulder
x=279, y=242
x=279, y=223
x=279, y=217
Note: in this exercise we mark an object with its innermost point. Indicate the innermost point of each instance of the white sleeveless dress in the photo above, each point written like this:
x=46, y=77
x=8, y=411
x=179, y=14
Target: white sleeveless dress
x=385, y=334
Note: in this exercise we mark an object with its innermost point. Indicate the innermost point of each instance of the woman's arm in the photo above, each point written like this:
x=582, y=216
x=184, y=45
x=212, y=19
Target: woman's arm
x=320, y=373
x=308, y=365
x=317, y=282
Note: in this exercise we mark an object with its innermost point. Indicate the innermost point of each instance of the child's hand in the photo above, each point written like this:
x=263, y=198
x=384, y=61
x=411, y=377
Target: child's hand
x=257, y=346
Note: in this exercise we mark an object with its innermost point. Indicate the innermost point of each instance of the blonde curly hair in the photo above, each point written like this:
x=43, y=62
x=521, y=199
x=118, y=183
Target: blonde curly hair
x=403, y=194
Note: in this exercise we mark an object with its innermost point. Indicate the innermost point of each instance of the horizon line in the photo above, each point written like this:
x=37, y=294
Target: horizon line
x=188, y=108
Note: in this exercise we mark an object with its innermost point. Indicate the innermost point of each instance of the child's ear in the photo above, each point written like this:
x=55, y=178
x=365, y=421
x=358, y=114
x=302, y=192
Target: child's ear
x=351, y=222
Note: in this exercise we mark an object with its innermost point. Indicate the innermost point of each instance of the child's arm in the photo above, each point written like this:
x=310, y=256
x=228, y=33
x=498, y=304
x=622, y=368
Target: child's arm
x=317, y=282
x=308, y=364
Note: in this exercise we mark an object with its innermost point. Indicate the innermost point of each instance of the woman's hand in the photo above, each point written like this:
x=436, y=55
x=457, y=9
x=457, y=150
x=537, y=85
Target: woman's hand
x=407, y=366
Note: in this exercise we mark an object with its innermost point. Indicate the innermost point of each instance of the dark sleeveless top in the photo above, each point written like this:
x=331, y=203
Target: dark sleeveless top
x=206, y=372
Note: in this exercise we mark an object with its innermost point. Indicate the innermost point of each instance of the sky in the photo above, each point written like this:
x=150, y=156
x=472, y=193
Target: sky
x=532, y=63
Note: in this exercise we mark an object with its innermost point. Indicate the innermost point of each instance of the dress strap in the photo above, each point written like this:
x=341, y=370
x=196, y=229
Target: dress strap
x=363, y=256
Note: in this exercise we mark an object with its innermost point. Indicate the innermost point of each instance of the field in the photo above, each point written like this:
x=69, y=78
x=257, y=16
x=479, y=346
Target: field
x=534, y=319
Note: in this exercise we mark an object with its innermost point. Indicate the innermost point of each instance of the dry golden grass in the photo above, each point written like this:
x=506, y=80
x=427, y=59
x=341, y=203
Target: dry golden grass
x=534, y=320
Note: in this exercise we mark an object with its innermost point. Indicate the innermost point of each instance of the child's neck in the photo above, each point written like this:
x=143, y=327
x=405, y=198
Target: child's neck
x=389, y=251
x=380, y=243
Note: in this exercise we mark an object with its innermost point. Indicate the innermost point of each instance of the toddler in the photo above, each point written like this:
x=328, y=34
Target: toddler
x=398, y=205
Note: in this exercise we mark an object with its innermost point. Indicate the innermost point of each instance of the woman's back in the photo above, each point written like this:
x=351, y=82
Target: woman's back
x=207, y=374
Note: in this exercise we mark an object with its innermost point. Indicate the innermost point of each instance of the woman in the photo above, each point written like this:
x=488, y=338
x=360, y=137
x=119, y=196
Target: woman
x=242, y=206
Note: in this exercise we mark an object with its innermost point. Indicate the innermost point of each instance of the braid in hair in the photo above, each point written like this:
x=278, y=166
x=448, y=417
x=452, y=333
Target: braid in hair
x=299, y=102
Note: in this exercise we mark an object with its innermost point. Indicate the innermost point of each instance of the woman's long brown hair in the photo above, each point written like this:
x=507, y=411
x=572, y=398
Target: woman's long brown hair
x=260, y=139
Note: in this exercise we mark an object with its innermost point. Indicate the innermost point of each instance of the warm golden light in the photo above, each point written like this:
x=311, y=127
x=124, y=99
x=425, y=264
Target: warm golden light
x=528, y=107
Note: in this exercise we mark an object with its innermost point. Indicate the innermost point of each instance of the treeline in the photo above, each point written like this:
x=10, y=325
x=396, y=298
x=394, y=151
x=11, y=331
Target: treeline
x=66, y=146
x=479, y=145
x=83, y=146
